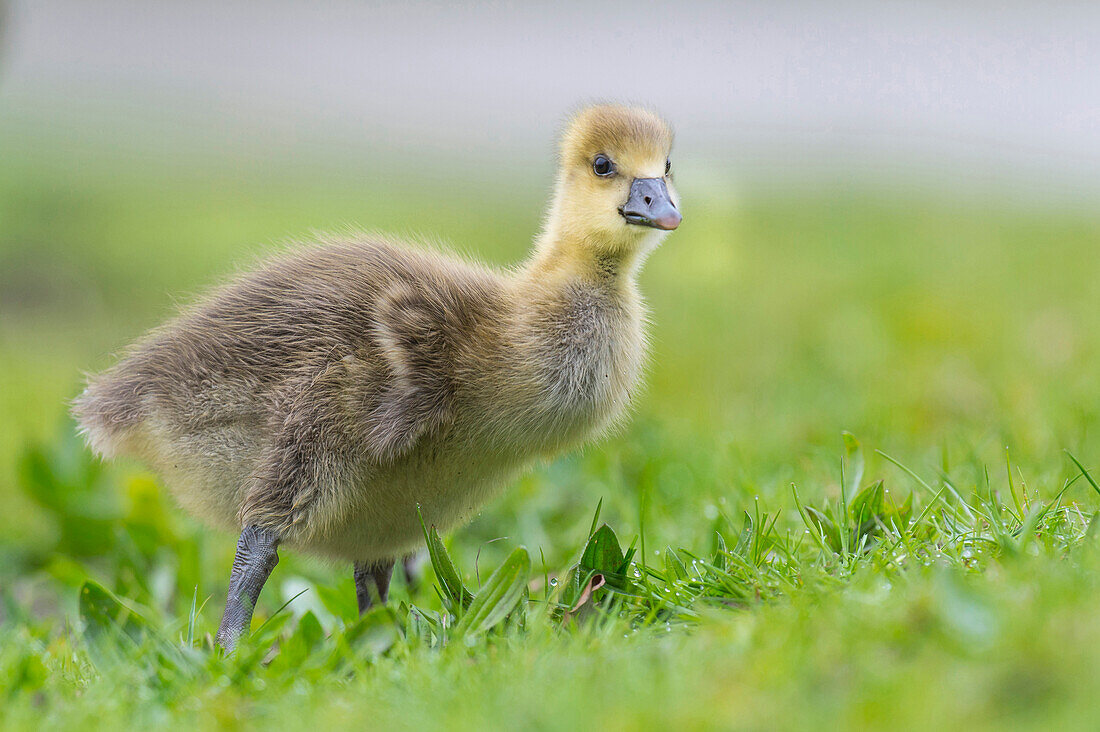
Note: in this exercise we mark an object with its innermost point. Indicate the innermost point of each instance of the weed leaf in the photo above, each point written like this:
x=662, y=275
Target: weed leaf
x=498, y=596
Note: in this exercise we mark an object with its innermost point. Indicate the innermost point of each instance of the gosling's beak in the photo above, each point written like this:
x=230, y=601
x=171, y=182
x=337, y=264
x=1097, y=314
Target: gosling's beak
x=649, y=205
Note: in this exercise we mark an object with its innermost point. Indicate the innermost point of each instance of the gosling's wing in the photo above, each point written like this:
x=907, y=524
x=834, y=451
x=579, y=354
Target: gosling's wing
x=394, y=380
x=412, y=334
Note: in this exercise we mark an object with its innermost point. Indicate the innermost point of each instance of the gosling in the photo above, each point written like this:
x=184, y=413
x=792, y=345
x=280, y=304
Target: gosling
x=322, y=400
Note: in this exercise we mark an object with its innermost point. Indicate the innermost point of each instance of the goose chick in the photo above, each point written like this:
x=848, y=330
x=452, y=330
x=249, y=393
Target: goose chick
x=321, y=400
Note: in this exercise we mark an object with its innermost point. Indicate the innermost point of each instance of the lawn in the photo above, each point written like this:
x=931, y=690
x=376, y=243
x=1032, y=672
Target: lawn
x=852, y=493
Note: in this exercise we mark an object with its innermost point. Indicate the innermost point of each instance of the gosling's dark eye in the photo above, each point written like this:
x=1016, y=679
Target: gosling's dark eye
x=668, y=166
x=602, y=166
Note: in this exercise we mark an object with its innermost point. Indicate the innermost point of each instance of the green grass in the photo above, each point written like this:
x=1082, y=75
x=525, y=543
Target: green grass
x=760, y=568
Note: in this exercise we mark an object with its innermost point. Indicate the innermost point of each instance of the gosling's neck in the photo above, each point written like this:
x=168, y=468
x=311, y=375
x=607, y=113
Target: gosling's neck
x=562, y=257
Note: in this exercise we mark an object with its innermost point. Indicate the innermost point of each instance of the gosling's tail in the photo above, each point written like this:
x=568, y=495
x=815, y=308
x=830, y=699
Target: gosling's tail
x=107, y=412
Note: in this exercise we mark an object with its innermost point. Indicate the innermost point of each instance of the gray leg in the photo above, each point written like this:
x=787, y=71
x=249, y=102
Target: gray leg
x=256, y=557
x=370, y=578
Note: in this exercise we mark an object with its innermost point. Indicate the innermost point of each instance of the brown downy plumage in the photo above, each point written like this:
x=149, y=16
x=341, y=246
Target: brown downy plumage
x=327, y=395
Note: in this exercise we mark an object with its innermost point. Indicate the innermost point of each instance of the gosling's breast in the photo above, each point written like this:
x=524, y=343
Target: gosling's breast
x=590, y=361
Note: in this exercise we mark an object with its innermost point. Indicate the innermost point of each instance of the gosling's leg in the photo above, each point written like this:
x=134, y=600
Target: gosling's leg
x=256, y=556
x=370, y=578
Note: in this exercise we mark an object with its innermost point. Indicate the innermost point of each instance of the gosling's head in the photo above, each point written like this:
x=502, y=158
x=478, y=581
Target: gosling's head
x=614, y=191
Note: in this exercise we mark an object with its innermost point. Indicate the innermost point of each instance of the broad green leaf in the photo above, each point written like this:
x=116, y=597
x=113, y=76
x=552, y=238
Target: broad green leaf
x=371, y=636
x=113, y=630
x=826, y=526
x=868, y=506
x=744, y=539
x=904, y=511
x=418, y=629
x=338, y=599
x=602, y=553
x=498, y=596
x=674, y=566
x=309, y=630
x=296, y=649
x=445, y=571
x=103, y=613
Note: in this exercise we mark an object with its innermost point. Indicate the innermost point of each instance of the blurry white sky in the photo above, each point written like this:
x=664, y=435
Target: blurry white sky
x=968, y=93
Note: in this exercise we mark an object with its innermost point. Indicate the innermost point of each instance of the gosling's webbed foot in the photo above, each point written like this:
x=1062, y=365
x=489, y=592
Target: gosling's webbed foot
x=256, y=556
